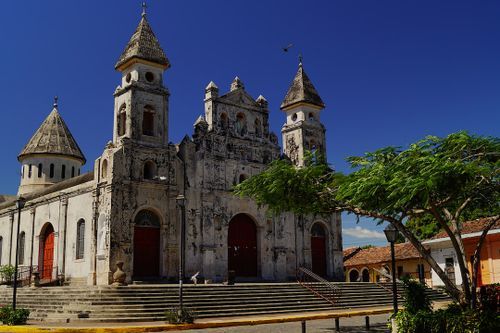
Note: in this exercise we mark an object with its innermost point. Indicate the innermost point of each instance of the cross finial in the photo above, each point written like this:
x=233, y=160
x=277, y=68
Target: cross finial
x=55, y=101
x=300, y=59
x=144, y=6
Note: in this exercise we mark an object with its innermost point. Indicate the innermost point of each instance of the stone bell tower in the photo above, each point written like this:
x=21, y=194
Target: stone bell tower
x=303, y=130
x=141, y=102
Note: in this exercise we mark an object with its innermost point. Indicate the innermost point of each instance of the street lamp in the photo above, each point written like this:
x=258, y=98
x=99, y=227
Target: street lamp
x=181, y=203
x=391, y=233
x=20, y=202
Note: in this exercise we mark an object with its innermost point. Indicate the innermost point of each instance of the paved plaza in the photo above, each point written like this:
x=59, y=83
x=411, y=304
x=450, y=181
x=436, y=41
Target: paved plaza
x=378, y=323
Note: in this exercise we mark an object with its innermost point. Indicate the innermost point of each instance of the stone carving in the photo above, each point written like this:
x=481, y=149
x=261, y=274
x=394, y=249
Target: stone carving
x=119, y=276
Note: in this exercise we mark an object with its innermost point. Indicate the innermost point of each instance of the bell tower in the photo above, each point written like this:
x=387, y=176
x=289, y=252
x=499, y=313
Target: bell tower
x=303, y=130
x=141, y=101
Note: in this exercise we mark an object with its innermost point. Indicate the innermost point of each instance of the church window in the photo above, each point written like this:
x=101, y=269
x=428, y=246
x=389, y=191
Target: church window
x=40, y=168
x=149, y=170
x=148, y=121
x=104, y=169
x=51, y=172
x=22, y=171
x=150, y=77
x=30, y=169
x=311, y=116
x=72, y=172
x=258, y=128
x=294, y=117
x=241, y=126
x=243, y=177
x=78, y=171
x=122, y=120
x=128, y=77
x=20, y=249
x=63, y=172
x=223, y=121
x=80, y=239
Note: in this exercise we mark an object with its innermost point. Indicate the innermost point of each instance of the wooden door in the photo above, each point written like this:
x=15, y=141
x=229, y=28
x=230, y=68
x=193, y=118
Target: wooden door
x=242, y=246
x=48, y=254
x=146, y=252
x=318, y=252
x=450, y=269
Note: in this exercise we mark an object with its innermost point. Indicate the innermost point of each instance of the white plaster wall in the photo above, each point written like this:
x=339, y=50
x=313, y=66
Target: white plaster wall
x=440, y=254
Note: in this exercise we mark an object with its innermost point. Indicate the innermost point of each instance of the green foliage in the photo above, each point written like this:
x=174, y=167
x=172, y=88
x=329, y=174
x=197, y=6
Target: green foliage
x=415, y=298
x=175, y=316
x=7, y=273
x=451, y=320
x=369, y=246
x=9, y=316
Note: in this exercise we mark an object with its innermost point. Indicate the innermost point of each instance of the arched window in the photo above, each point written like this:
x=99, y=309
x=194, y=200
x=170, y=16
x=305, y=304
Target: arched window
x=78, y=171
x=148, y=121
x=80, y=239
x=20, y=249
x=241, y=126
x=52, y=171
x=122, y=119
x=224, y=122
x=30, y=169
x=258, y=128
x=72, y=172
x=311, y=116
x=40, y=168
x=104, y=169
x=243, y=177
x=22, y=171
x=149, y=170
x=1, y=249
x=63, y=172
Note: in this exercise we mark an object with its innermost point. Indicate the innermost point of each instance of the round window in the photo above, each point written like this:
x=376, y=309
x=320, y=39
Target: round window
x=294, y=117
x=128, y=77
x=150, y=76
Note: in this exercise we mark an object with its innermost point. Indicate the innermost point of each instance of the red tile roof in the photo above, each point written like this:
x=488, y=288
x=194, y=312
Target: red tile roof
x=471, y=227
x=375, y=255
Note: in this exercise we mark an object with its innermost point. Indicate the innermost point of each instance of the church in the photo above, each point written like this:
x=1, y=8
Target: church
x=130, y=208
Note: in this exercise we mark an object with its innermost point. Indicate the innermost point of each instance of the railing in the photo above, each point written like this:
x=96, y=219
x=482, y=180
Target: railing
x=318, y=285
x=24, y=275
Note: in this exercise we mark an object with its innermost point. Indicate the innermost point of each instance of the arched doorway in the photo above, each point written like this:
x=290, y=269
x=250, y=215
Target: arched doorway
x=365, y=275
x=146, y=245
x=318, y=249
x=46, y=257
x=353, y=275
x=242, y=246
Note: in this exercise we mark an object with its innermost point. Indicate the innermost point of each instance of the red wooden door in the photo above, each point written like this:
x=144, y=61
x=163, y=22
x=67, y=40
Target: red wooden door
x=242, y=246
x=48, y=254
x=318, y=253
x=146, y=252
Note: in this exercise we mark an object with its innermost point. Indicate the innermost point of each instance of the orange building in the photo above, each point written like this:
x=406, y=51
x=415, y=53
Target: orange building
x=443, y=252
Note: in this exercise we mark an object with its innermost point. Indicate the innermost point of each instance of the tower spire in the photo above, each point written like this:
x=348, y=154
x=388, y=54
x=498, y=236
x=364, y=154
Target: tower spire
x=55, y=102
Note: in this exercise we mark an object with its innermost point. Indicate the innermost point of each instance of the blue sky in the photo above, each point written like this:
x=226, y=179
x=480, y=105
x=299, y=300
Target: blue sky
x=390, y=72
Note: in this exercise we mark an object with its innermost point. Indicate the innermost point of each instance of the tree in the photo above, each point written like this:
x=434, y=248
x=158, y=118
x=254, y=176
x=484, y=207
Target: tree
x=443, y=179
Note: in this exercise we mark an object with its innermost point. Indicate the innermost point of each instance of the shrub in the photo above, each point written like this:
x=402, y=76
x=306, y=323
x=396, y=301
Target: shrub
x=10, y=316
x=7, y=273
x=175, y=316
x=415, y=298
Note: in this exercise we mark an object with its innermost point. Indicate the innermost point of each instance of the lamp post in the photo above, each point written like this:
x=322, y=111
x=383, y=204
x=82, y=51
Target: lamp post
x=20, y=202
x=391, y=233
x=181, y=203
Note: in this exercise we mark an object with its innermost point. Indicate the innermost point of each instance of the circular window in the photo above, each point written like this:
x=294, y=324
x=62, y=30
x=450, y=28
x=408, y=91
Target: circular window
x=311, y=116
x=128, y=77
x=294, y=117
x=150, y=76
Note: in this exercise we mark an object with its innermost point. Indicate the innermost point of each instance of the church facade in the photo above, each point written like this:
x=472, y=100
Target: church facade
x=130, y=207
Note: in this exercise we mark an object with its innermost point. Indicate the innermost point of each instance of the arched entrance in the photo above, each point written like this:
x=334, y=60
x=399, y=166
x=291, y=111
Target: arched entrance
x=318, y=249
x=46, y=257
x=353, y=275
x=365, y=275
x=146, y=245
x=242, y=246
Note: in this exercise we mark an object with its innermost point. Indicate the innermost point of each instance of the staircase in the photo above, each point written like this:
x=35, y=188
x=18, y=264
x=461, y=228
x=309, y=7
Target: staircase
x=149, y=302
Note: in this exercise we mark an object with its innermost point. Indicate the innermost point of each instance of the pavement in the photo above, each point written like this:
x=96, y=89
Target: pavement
x=351, y=320
x=286, y=323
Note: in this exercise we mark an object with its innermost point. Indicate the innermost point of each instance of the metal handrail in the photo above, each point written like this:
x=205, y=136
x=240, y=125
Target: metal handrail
x=318, y=285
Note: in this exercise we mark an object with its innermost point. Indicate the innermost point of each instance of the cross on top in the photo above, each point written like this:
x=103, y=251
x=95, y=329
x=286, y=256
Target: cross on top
x=144, y=7
x=55, y=101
